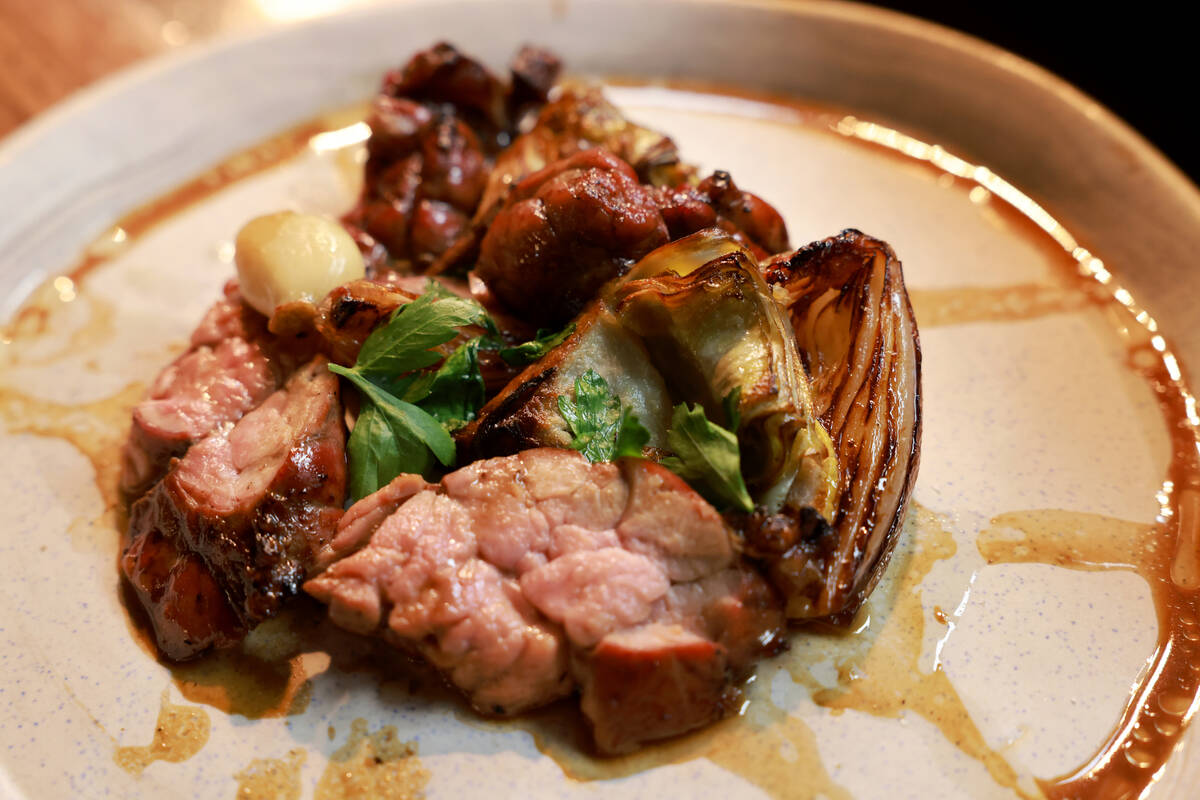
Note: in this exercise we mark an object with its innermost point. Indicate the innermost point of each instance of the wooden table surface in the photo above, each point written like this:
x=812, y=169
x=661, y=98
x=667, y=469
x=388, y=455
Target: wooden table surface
x=50, y=48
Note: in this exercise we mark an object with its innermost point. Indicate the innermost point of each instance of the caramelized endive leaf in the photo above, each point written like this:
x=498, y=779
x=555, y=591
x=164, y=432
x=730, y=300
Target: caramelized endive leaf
x=855, y=327
x=690, y=328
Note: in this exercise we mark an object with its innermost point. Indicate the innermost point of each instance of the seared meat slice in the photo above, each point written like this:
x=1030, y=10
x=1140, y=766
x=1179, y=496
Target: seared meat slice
x=564, y=232
x=227, y=372
x=241, y=517
x=187, y=608
x=523, y=577
x=199, y=391
x=651, y=682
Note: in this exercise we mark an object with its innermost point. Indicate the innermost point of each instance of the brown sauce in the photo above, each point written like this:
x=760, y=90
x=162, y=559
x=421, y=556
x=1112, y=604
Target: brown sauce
x=272, y=778
x=970, y=304
x=878, y=669
x=377, y=765
x=771, y=748
x=180, y=733
x=268, y=674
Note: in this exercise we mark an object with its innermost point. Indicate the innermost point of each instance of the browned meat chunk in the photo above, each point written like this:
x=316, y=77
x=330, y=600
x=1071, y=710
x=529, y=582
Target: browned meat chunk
x=226, y=373
x=564, y=232
x=534, y=72
x=187, y=608
x=435, y=127
x=652, y=682
x=752, y=220
x=717, y=201
x=348, y=315
x=523, y=577
x=241, y=517
x=443, y=77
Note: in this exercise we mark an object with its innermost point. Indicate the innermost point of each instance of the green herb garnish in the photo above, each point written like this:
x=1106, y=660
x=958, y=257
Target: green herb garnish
x=707, y=456
x=601, y=427
x=406, y=417
x=534, y=349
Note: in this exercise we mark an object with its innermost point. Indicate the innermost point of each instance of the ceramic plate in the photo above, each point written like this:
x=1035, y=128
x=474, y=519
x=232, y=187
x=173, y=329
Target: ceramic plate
x=1052, y=523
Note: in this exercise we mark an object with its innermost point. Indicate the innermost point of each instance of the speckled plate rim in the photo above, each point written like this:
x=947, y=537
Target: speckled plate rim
x=1137, y=208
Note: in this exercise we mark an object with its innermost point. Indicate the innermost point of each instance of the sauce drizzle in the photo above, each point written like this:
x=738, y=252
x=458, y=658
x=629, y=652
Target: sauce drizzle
x=180, y=733
x=377, y=765
x=272, y=778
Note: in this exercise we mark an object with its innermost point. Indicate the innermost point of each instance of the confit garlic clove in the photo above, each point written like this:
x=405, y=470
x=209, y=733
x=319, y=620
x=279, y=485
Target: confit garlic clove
x=288, y=257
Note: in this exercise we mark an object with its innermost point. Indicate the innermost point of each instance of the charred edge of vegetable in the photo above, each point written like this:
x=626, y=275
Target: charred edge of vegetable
x=499, y=427
x=838, y=264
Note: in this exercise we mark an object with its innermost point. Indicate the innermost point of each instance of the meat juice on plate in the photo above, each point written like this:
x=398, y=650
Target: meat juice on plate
x=783, y=741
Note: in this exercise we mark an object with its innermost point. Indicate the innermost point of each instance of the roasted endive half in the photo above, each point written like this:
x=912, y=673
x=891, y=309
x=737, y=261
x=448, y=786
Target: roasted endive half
x=693, y=322
x=854, y=325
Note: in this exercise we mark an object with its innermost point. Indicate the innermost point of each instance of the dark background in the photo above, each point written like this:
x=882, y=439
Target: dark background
x=1141, y=60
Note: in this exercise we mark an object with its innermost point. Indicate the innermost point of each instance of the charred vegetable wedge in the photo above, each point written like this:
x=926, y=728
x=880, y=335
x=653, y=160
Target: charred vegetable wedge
x=695, y=324
x=855, y=328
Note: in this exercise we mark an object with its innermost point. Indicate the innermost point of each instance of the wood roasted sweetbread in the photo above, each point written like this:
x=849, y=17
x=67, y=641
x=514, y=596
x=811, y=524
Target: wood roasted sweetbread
x=581, y=424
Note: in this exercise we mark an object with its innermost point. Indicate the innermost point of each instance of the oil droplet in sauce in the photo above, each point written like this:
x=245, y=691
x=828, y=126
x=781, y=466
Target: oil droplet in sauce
x=180, y=733
x=376, y=765
x=272, y=778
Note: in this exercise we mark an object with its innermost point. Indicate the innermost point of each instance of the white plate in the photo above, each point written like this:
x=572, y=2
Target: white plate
x=1037, y=413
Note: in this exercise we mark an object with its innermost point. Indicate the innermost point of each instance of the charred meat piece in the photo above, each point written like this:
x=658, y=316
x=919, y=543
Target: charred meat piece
x=435, y=126
x=235, y=527
x=442, y=77
x=521, y=578
x=749, y=218
x=581, y=118
x=534, y=73
x=226, y=372
x=855, y=328
x=566, y=231
x=416, y=202
x=348, y=315
x=717, y=202
x=187, y=609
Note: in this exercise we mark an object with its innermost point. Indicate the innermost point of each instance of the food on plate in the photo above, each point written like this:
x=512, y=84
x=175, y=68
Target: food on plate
x=525, y=577
x=602, y=432
x=291, y=258
x=231, y=531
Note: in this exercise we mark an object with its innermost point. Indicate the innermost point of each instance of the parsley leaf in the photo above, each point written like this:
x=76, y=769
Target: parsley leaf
x=733, y=413
x=535, y=348
x=456, y=391
x=405, y=343
x=707, y=457
x=379, y=451
x=406, y=416
x=602, y=429
x=416, y=422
